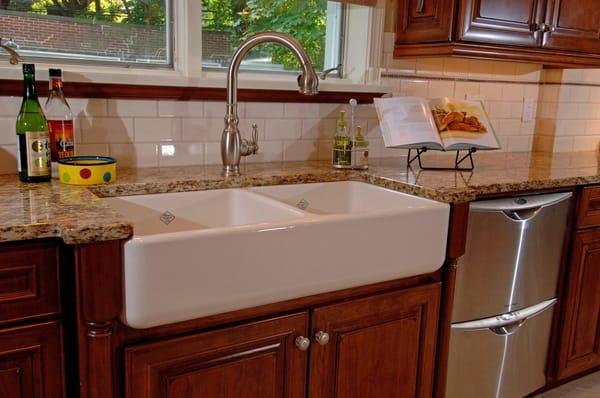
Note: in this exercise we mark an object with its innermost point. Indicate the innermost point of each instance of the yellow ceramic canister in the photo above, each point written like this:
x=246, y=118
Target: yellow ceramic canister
x=87, y=170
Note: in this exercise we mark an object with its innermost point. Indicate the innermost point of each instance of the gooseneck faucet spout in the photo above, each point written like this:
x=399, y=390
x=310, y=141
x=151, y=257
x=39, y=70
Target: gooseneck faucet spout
x=232, y=145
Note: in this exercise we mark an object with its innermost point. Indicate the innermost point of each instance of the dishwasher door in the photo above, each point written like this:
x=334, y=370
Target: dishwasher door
x=513, y=255
x=502, y=356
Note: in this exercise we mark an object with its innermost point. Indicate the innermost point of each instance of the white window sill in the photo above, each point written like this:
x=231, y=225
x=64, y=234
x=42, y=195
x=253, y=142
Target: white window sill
x=212, y=79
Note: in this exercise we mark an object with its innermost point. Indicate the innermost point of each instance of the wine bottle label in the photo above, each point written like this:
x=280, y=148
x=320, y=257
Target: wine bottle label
x=37, y=153
x=61, y=138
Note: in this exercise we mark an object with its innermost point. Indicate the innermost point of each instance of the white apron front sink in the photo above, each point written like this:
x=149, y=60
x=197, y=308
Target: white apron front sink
x=231, y=249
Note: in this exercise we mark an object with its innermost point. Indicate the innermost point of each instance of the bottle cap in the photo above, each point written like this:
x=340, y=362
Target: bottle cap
x=28, y=68
x=53, y=72
x=342, y=120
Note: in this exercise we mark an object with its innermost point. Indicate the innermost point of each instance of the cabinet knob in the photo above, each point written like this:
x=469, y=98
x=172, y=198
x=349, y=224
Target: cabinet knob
x=322, y=337
x=543, y=27
x=302, y=343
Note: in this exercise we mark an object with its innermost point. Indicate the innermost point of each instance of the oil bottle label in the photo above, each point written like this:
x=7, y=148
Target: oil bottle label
x=37, y=150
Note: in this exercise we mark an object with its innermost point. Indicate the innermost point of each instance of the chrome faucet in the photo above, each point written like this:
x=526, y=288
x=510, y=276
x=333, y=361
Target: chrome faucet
x=10, y=46
x=232, y=145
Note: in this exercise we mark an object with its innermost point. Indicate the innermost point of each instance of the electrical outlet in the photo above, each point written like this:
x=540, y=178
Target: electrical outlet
x=528, y=110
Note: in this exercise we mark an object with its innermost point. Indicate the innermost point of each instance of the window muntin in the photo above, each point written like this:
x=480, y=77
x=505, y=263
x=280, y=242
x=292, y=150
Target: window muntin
x=316, y=24
x=122, y=32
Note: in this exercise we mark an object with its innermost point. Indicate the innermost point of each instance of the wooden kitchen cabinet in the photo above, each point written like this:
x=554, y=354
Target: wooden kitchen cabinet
x=425, y=21
x=375, y=346
x=579, y=343
x=255, y=360
x=575, y=25
x=512, y=22
x=378, y=346
x=551, y=32
x=31, y=361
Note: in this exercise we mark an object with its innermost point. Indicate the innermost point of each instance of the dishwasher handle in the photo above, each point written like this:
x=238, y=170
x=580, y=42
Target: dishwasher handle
x=508, y=323
x=520, y=203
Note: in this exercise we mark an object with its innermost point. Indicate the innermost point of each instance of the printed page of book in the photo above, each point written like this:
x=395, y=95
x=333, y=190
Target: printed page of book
x=463, y=124
x=407, y=122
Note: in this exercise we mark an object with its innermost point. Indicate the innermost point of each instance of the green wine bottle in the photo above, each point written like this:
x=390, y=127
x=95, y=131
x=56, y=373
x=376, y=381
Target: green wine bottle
x=33, y=143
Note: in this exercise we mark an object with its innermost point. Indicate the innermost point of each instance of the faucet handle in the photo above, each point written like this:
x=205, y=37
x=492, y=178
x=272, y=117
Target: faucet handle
x=250, y=147
x=254, y=133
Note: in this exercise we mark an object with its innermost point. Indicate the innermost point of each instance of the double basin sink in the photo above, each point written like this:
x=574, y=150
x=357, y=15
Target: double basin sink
x=195, y=254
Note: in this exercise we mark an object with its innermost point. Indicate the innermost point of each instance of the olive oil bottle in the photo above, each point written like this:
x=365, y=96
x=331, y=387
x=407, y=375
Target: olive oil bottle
x=342, y=144
x=33, y=139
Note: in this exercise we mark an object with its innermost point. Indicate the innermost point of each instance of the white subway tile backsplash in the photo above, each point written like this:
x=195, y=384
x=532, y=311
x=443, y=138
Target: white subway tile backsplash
x=138, y=155
x=92, y=107
x=300, y=150
x=441, y=88
x=301, y=110
x=215, y=109
x=264, y=110
x=181, y=154
x=202, y=130
x=155, y=129
x=8, y=133
x=9, y=106
x=318, y=129
x=585, y=143
x=283, y=129
x=92, y=150
x=102, y=130
x=181, y=109
x=139, y=108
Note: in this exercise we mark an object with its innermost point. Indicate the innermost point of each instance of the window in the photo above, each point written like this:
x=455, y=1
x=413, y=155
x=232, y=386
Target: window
x=128, y=32
x=317, y=24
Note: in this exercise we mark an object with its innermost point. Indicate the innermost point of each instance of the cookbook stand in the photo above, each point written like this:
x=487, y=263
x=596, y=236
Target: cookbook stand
x=457, y=161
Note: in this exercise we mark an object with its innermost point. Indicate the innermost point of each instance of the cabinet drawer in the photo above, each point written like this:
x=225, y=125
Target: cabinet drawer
x=589, y=208
x=31, y=362
x=29, y=284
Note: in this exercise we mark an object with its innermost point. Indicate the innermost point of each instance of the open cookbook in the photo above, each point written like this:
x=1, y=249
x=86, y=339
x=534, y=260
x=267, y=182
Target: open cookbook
x=440, y=124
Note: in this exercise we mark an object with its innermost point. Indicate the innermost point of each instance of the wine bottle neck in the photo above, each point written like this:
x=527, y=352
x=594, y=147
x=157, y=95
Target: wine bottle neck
x=29, y=87
x=56, y=84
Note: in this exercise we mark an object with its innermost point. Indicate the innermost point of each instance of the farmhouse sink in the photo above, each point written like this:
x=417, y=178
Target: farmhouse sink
x=196, y=254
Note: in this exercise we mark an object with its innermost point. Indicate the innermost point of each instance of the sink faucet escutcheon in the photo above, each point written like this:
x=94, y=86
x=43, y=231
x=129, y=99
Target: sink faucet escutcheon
x=233, y=147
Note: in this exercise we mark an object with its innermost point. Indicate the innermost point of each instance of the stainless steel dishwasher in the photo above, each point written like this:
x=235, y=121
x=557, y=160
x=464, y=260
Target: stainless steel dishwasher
x=505, y=292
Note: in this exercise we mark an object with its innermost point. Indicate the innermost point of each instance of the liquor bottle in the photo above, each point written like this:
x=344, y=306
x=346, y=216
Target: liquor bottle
x=342, y=143
x=33, y=140
x=60, y=119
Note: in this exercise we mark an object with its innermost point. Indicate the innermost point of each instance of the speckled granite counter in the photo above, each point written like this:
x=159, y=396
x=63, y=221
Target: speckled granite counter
x=77, y=214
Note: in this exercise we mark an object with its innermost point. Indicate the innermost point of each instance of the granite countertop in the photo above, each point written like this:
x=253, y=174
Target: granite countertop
x=78, y=215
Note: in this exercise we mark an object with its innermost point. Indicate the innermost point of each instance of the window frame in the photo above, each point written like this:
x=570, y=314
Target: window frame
x=187, y=61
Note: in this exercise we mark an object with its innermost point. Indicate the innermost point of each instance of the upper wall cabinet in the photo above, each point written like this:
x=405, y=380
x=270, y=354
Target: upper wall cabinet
x=551, y=32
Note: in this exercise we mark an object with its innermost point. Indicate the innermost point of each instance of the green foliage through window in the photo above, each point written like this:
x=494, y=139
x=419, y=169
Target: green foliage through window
x=305, y=20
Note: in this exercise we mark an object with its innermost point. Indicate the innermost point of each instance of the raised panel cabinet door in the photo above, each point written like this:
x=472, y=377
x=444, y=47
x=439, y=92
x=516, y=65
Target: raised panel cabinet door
x=580, y=334
x=255, y=360
x=378, y=346
x=509, y=22
x=574, y=25
x=29, y=281
x=31, y=363
x=421, y=21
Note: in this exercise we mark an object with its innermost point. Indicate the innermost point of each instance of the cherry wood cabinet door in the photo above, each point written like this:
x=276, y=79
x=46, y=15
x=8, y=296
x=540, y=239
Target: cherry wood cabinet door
x=31, y=362
x=255, y=360
x=421, y=21
x=378, y=346
x=575, y=25
x=580, y=334
x=510, y=22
